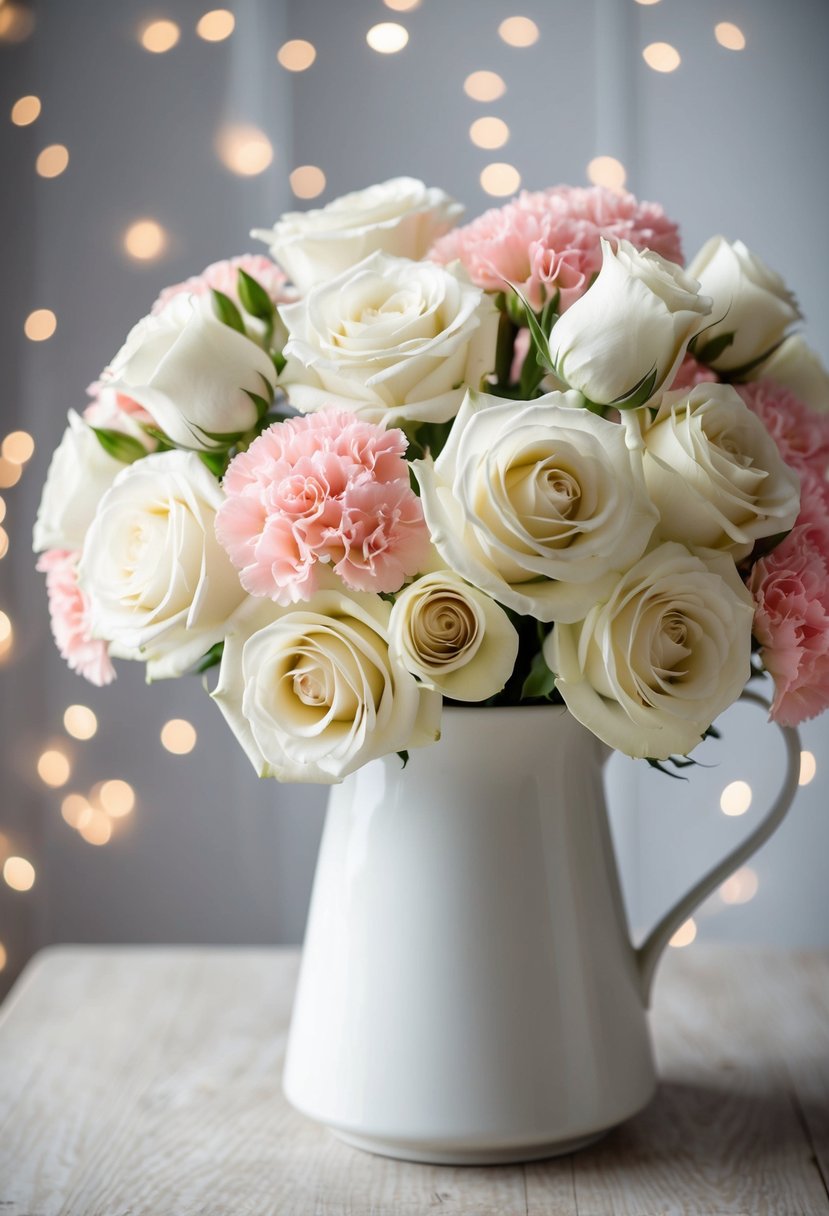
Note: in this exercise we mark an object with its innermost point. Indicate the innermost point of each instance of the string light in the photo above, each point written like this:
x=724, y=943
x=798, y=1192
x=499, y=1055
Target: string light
x=80, y=721
x=19, y=874
x=387, y=38
x=607, y=171
x=40, y=325
x=518, y=31
x=484, y=86
x=53, y=768
x=97, y=829
x=145, y=240
x=159, y=36
x=730, y=36
x=662, y=57
x=735, y=798
x=216, y=25
x=500, y=179
x=75, y=810
x=244, y=149
x=808, y=768
x=297, y=55
x=18, y=447
x=52, y=161
x=26, y=110
x=10, y=474
x=116, y=797
x=307, y=181
x=178, y=736
x=684, y=935
x=489, y=132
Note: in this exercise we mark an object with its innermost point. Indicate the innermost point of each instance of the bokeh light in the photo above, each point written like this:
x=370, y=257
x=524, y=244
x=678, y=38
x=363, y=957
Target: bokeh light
x=662, y=57
x=116, y=797
x=2, y=509
x=4, y=958
x=808, y=768
x=607, y=171
x=244, y=149
x=387, y=38
x=159, y=36
x=402, y=6
x=178, y=736
x=684, y=935
x=216, y=25
x=145, y=240
x=53, y=768
x=735, y=798
x=484, y=86
x=18, y=447
x=40, y=325
x=297, y=55
x=80, y=721
x=97, y=829
x=518, y=31
x=740, y=887
x=16, y=22
x=52, y=161
x=19, y=874
x=4, y=543
x=307, y=181
x=489, y=132
x=729, y=36
x=10, y=474
x=6, y=635
x=76, y=810
x=500, y=179
x=26, y=110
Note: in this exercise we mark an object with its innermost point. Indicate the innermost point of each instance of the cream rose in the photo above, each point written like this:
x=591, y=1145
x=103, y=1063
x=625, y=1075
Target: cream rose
x=626, y=336
x=160, y=586
x=795, y=366
x=453, y=637
x=313, y=692
x=402, y=217
x=650, y=668
x=193, y=373
x=539, y=504
x=714, y=472
x=753, y=308
x=395, y=341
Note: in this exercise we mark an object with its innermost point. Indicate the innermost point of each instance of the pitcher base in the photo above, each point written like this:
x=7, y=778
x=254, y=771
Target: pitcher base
x=404, y=1150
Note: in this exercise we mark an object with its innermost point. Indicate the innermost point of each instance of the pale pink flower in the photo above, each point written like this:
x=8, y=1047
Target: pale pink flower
x=69, y=618
x=801, y=434
x=549, y=240
x=113, y=410
x=691, y=372
x=324, y=489
x=791, y=621
x=223, y=276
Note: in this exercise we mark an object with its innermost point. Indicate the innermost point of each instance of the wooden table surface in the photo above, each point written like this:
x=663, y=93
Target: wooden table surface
x=141, y=1080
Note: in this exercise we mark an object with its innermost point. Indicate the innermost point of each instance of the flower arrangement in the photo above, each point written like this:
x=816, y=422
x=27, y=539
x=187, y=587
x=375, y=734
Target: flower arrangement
x=404, y=462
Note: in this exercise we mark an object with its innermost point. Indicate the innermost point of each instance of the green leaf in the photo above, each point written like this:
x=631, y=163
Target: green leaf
x=212, y=659
x=262, y=406
x=165, y=443
x=216, y=462
x=255, y=299
x=227, y=312
x=538, y=338
x=639, y=394
x=125, y=448
x=709, y=352
x=541, y=682
x=279, y=361
x=404, y=756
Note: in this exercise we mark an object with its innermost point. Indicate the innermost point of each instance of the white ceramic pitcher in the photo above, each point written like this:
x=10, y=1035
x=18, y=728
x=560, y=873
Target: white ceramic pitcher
x=468, y=991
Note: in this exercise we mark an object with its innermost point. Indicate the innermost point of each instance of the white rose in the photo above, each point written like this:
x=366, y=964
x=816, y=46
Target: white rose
x=391, y=339
x=80, y=473
x=628, y=334
x=714, y=472
x=453, y=637
x=751, y=304
x=312, y=692
x=795, y=366
x=650, y=668
x=402, y=217
x=193, y=373
x=160, y=586
x=539, y=504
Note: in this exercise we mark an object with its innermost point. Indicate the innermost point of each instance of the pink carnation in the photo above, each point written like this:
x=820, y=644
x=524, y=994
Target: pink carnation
x=328, y=488
x=691, y=373
x=550, y=240
x=791, y=621
x=69, y=617
x=223, y=276
x=801, y=434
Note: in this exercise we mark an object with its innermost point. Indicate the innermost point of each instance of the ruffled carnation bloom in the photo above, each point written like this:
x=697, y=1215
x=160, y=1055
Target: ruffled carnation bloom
x=549, y=240
x=691, y=373
x=801, y=434
x=224, y=276
x=323, y=489
x=70, y=621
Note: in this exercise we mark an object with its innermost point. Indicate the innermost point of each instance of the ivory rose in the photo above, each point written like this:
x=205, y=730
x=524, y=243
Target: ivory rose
x=752, y=307
x=713, y=470
x=627, y=335
x=159, y=585
x=795, y=366
x=193, y=373
x=539, y=504
x=453, y=637
x=651, y=666
x=401, y=217
x=313, y=692
x=391, y=339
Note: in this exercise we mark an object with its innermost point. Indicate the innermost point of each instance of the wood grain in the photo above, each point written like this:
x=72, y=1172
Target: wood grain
x=138, y=1081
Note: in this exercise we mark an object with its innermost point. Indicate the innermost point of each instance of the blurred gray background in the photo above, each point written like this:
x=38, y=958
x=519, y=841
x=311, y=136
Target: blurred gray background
x=730, y=141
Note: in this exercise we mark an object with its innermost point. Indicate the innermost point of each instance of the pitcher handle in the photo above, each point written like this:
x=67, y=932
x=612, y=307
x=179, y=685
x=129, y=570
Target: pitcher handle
x=650, y=952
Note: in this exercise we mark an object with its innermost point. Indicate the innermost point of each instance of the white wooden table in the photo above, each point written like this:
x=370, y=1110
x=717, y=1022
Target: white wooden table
x=141, y=1081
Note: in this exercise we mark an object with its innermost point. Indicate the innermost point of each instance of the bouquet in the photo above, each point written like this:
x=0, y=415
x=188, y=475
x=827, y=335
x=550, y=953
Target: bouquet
x=404, y=463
